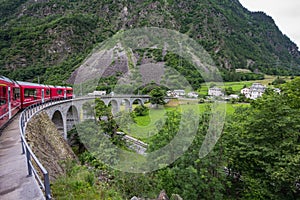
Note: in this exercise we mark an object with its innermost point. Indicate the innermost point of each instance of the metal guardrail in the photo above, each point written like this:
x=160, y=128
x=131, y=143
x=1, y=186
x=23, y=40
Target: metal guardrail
x=25, y=117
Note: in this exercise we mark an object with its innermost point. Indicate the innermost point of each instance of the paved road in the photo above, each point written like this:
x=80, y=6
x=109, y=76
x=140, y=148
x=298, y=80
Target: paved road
x=14, y=183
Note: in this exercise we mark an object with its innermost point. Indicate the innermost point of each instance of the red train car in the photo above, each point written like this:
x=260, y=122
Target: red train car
x=57, y=92
x=10, y=101
x=16, y=95
x=47, y=93
x=60, y=92
x=69, y=92
x=32, y=93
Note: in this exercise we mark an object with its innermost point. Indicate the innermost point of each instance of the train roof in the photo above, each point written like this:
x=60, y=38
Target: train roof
x=3, y=78
x=29, y=84
x=59, y=87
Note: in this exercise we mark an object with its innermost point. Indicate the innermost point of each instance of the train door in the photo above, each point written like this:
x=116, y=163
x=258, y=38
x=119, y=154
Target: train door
x=9, y=102
x=65, y=93
x=43, y=95
x=3, y=102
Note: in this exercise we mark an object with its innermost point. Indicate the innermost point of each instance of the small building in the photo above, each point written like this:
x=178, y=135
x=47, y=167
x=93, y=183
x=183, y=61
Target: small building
x=233, y=96
x=179, y=93
x=215, y=91
x=97, y=93
x=193, y=94
x=245, y=91
x=170, y=93
x=277, y=90
x=255, y=91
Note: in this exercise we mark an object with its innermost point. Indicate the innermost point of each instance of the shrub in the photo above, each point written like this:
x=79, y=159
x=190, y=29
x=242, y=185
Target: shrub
x=141, y=110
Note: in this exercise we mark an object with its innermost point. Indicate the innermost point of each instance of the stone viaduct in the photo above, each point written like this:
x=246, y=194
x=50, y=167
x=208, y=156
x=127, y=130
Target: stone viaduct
x=64, y=115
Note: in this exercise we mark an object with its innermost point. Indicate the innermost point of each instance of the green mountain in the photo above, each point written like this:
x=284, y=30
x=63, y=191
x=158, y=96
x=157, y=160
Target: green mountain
x=50, y=38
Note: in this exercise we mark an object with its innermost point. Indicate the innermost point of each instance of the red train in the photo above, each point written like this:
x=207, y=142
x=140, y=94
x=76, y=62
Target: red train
x=16, y=95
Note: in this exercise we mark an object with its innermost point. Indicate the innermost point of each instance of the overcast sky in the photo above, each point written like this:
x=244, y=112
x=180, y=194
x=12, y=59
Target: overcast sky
x=286, y=14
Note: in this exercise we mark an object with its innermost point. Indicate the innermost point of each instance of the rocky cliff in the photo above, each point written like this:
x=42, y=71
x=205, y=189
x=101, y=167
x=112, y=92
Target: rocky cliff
x=48, y=145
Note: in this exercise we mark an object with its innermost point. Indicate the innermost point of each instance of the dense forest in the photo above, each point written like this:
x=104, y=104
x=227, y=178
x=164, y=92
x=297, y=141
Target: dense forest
x=51, y=38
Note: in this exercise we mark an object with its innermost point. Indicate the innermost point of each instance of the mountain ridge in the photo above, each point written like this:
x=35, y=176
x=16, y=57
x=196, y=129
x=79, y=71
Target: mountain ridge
x=50, y=38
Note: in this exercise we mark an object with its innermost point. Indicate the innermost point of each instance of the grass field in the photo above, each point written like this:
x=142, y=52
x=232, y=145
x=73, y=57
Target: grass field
x=145, y=126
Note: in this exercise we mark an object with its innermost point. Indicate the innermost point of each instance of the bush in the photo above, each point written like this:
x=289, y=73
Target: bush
x=141, y=110
x=278, y=81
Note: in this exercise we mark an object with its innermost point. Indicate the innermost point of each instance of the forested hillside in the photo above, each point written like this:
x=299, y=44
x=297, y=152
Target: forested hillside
x=50, y=38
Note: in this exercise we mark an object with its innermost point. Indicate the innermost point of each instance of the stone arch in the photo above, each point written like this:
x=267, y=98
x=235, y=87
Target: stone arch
x=127, y=104
x=138, y=100
x=57, y=119
x=72, y=117
x=115, y=106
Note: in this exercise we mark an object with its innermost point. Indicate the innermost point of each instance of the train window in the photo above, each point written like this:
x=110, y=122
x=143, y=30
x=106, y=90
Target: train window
x=59, y=91
x=3, y=91
x=30, y=92
x=3, y=96
x=47, y=92
x=69, y=91
x=16, y=93
x=2, y=101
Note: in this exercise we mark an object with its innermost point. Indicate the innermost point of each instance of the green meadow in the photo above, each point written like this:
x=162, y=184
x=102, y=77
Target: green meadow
x=146, y=126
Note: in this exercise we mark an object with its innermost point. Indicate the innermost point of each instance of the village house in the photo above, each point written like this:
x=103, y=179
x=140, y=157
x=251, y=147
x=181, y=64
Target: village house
x=215, y=91
x=97, y=93
x=277, y=90
x=170, y=93
x=233, y=96
x=245, y=91
x=179, y=92
x=193, y=95
x=175, y=93
x=255, y=91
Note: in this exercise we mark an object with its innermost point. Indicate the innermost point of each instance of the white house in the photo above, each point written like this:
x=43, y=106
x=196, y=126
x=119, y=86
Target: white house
x=255, y=91
x=179, y=93
x=245, y=91
x=193, y=95
x=170, y=93
x=98, y=93
x=277, y=90
x=215, y=91
x=233, y=96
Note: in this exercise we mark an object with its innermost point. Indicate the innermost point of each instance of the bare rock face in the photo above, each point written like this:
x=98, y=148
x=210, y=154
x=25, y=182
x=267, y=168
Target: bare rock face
x=101, y=63
x=48, y=145
x=163, y=196
x=135, y=198
x=175, y=197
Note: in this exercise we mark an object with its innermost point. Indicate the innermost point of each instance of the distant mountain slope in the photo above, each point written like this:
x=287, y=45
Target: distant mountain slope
x=50, y=38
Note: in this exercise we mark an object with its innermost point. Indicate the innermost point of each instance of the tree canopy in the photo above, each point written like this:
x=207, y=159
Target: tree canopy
x=157, y=96
x=263, y=146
